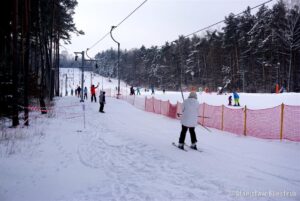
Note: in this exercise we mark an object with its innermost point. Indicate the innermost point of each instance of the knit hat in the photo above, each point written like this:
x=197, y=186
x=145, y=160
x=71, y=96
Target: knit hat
x=193, y=95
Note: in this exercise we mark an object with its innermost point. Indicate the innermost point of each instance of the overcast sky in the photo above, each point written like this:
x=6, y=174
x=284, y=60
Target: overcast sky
x=156, y=22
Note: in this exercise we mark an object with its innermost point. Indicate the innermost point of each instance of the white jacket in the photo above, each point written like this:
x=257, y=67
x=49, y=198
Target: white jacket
x=190, y=111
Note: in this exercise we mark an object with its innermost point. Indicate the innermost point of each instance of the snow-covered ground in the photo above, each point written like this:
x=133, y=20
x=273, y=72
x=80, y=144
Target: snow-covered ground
x=126, y=154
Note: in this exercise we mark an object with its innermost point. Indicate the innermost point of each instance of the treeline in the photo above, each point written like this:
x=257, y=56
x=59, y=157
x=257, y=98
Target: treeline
x=29, y=52
x=251, y=53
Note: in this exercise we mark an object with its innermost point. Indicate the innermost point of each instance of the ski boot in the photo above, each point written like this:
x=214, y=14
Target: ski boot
x=180, y=146
x=194, y=146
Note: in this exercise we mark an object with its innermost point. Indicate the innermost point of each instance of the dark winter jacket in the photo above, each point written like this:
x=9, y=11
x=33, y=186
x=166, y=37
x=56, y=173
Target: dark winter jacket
x=102, y=97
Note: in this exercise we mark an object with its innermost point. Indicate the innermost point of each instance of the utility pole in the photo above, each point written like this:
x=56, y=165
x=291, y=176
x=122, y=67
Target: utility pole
x=118, y=64
x=82, y=72
x=66, y=85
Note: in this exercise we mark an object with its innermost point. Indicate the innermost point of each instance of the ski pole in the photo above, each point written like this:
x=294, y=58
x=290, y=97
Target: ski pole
x=178, y=114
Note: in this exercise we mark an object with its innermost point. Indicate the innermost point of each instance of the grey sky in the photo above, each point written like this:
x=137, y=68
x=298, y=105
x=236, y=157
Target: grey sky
x=156, y=22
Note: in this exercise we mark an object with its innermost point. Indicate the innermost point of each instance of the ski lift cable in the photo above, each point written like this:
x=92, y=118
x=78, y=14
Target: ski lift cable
x=118, y=24
x=202, y=29
x=224, y=20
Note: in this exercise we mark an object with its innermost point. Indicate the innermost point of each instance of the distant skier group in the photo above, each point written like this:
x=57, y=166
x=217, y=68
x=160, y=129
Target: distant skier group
x=93, y=89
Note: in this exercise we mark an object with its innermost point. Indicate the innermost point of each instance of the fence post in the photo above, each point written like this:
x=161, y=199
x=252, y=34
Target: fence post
x=160, y=105
x=203, y=114
x=222, y=121
x=281, y=121
x=245, y=120
x=153, y=104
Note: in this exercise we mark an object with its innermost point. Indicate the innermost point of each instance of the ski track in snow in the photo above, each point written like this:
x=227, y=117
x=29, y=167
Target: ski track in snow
x=128, y=157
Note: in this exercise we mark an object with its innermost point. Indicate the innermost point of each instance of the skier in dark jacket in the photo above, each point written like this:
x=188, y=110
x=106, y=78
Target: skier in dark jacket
x=132, y=91
x=230, y=100
x=102, y=101
x=79, y=91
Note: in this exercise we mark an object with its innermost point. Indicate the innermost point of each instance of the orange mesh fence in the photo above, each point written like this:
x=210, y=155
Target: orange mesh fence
x=149, y=107
x=214, y=116
x=156, y=105
x=264, y=123
x=164, y=107
x=130, y=99
x=201, y=120
x=173, y=111
x=291, y=123
x=233, y=120
x=139, y=102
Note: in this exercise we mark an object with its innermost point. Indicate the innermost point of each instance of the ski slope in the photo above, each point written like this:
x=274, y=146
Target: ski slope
x=126, y=154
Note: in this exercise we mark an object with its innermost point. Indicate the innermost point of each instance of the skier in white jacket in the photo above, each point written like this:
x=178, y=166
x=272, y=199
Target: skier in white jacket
x=189, y=119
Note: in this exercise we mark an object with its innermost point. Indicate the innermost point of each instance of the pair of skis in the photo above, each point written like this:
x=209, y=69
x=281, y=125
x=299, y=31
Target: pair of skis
x=176, y=145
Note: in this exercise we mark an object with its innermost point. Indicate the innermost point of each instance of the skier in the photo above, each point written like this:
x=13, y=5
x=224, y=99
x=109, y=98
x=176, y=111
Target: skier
x=102, y=101
x=152, y=90
x=85, y=93
x=138, y=91
x=78, y=91
x=189, y=118
x=131, y=90
x=236, y=98
x=283, y=88
x=229, y=100
x=72, y=92
x=93, y=92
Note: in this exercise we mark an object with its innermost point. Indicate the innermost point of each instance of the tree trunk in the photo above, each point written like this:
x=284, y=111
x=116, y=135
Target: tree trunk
x=26, y=61
x=15, y=69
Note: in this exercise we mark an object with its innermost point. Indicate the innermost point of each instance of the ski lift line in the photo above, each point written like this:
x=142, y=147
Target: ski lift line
x=224, y=20
x=118, y=24
x=131, y=13
x=99, y=40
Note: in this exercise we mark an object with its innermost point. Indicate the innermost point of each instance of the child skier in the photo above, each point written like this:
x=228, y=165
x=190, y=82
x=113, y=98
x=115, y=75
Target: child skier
x=229, y=100
x=236, y=98
x=102, y=101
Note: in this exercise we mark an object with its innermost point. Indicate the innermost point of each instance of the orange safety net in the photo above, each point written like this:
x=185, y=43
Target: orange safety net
x=173, y=111
x=264, y=123
x=139, y=102
x=201, y=120
x=130, y=99
x=149, y=104
x=214, y=116
x=291, y=123
x=164, y=107
x=156, y=105
x=233, y=120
